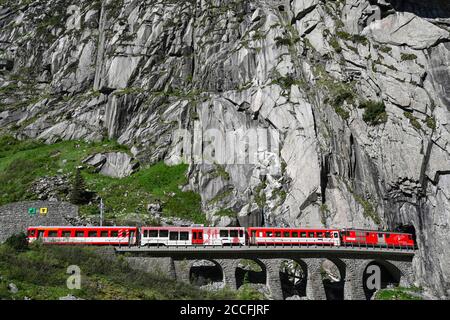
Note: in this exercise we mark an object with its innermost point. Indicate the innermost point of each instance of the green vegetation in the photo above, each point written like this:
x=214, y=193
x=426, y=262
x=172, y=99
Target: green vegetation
x=408, y=56
x=374, y=112
x=226, y=213
x=260, y=195
x=78, y=191
x=431, y=122
x=335, y=44
x=398, y=293
x=22, y=162
x=369, y=210
x=40, y=273
x=350, y=37
x=385, y=49
x=339, y=93
x=413, y=120
x=287, y=82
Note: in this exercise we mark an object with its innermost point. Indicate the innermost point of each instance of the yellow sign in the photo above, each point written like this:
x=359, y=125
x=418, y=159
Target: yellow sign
x=43, y=211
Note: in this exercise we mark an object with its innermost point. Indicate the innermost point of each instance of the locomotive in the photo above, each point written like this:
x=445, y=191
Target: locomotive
x=198, y=235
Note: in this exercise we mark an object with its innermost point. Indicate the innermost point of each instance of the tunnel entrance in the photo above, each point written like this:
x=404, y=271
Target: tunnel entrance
x=333, y=279
x=205, y=272
x=293, y=277
x=380, y=275
x=250, y=272
x=407, y=228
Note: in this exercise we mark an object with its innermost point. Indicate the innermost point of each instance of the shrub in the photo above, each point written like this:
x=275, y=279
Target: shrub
x=413, y=120
x=78, y=194
x=18, y=242
x=431, y=122
x=375, y=112
x=408, y=56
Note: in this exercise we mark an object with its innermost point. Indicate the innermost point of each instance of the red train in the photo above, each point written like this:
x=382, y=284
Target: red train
x=218, y=236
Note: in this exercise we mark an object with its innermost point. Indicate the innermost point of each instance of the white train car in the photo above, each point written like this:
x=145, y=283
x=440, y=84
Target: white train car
x=192, y=236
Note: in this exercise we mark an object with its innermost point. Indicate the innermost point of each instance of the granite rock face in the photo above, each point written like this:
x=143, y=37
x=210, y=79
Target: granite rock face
x=344, y=104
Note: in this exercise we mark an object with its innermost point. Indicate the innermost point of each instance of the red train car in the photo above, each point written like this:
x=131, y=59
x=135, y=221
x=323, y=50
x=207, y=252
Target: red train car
x=84, y=235
x=210, y=236
x=277, y=236
x=376, y=238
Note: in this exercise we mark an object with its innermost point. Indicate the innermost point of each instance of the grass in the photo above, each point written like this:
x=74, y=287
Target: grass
x=22, y=162
x=398, y=293
x=40, y=273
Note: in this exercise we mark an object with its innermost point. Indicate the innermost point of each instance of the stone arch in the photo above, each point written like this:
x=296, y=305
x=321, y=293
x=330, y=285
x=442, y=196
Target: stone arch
x=293, y=277
x=333, y=272
x=389, y=274
x=205, y=272
x=250, y=271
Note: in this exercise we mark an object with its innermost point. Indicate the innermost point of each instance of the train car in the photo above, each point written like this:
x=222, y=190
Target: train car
x=293, y=236
x=191, y=236
x=84, y=235
x=376, y=238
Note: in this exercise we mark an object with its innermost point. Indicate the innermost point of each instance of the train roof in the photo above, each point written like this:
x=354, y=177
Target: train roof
x=82, y=227
x=379, y=231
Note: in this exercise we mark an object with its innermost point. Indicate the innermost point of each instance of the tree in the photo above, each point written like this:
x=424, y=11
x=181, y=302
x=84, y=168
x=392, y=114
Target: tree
x=18, y=241
x=78, y=191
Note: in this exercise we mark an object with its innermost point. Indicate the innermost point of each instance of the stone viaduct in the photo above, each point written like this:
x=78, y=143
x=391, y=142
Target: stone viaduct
x=352, y=263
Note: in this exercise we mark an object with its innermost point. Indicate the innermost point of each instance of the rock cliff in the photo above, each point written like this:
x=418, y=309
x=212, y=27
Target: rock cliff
x=345, y=105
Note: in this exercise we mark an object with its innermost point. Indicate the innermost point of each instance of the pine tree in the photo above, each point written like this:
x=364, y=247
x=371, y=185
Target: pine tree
x=77, y=194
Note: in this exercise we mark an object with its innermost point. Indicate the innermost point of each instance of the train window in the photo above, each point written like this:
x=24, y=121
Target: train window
x=224, y=233
x=269, y=233
x=153, y=233
x=294, y=234
x=52, y=234
x=380, y=235
x=79, y=234
x=104, y=234
x=194, y=235
x=200, y=235
x=92, y=234
x=233, y=233
x=286, y=234
x=336, y=235
x=114, y=234
x=32, y=233
x=278, y=234
x=173, y=235
x=319, y=234
x=145, y=233
x=66, y=234
x=163, y=233
x=241, y=233
x=184, y=236
x=388, y=235
x=327, y=235
x=302, y=234
x=311, y=234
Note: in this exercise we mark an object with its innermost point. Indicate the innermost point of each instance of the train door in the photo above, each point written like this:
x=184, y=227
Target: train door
x=40, y=234
x=381, y=239
x=253, y=237
x=131, y=236
x=197, y=236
